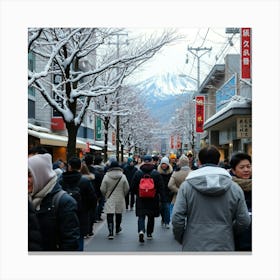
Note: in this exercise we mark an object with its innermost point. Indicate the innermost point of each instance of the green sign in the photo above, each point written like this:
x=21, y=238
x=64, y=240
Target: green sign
x=98, y=129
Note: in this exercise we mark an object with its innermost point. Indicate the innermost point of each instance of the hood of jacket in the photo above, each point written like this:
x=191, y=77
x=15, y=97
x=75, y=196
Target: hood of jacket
x=210, y=180
x=115, y=173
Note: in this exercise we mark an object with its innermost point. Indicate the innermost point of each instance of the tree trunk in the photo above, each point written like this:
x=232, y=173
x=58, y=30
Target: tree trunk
x=72, y=138
x=106, y=129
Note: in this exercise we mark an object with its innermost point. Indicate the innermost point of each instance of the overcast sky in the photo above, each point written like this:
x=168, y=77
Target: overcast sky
x=176, y=58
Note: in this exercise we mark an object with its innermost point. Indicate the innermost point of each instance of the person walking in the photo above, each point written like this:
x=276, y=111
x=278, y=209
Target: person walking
x=92, y=211
x=241, y=171
x=209, y=207
x=82, y=190
x=147, y=207
x=192, y=162
x=114, y=187
x=59, y=224
x=165, y=170
x=177, y=178
x=129, y=171
x=98, y=169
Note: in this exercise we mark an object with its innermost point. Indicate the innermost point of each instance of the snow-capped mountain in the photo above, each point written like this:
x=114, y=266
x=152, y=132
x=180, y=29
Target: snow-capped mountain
x=163, y=94
x=163, y=86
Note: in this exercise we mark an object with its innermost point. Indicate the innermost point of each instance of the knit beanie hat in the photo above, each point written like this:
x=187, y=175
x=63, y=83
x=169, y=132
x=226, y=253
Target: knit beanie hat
x=183, y=161
x=164, y=160
x=40, y=166
x=129, y=160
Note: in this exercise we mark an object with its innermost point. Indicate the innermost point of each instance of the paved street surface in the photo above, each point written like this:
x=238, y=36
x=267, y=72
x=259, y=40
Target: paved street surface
x=127, y=240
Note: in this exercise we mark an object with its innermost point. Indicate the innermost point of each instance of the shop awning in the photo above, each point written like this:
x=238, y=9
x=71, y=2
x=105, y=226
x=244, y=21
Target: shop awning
x=54, y=140
x=95, y=148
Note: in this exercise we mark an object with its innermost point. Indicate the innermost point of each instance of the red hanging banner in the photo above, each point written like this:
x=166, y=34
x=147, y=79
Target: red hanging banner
x=199, y=113
x=172, y=142
x=246, y=53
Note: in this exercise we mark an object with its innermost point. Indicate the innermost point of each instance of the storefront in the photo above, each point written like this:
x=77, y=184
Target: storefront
x=53, y=143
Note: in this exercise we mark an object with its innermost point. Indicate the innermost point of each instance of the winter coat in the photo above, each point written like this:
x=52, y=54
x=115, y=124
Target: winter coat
x=176, y=179
x=148, y=206
x=166, y=175
x=60, y=229
x=73, y=182
x=98, y=171
x=116, y=202
x=34, y=234
x=243, y=240
x=212, y=205
x=129, y=172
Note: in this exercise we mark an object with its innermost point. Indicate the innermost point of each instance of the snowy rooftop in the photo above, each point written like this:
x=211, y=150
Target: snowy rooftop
x=236, y=101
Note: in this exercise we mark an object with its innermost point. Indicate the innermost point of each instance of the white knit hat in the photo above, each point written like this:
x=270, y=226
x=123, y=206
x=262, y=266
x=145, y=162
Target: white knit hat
x=164, y=160
x=40, y=166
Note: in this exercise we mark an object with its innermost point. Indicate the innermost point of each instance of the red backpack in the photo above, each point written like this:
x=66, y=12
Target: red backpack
x=147, y=187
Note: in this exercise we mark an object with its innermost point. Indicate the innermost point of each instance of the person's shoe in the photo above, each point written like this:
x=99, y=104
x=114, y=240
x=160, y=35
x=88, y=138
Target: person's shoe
x=110, y=236
x=141, y=236
x=118, y=230
x=167, y=226
x=91, y=234
x=149, y=236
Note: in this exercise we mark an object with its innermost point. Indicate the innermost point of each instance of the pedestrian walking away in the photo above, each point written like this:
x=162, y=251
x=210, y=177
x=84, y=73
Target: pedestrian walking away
x=147, y=206
x=81, y=189
x=177, y=178
x=165, y=170
x=209, y=207
x=114, y=187
x=129, y=171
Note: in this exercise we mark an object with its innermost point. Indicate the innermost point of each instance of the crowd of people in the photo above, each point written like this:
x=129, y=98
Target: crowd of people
x=207, y=204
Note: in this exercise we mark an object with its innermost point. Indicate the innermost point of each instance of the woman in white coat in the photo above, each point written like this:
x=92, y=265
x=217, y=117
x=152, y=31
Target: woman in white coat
x=114, y=187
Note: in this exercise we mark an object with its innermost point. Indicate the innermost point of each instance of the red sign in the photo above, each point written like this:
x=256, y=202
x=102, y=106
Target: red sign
x=246, y=53
x=57, y=123
x=113, y=138
x=199, y=113
x=172, y=142
x=178, y=146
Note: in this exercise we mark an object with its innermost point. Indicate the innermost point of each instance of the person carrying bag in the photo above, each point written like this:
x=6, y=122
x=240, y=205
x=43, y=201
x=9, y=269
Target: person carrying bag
x=114, y=187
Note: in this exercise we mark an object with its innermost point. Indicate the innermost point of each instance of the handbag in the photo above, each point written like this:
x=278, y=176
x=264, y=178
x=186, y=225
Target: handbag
x=114, y=188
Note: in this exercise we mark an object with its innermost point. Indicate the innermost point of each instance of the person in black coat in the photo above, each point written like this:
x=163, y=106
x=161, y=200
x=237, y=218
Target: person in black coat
x=147, y=206
x=59, y=224
x=129, y=171
x=82, y=190
x=34, y=234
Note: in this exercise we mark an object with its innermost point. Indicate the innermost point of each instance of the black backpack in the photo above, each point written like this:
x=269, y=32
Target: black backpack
x=73, y=191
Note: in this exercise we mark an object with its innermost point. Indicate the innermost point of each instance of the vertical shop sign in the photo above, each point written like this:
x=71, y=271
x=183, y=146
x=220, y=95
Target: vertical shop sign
x=113, y=138
x=246, y=56
x=172, y=142
x=178, y=144
x=244, y=127
x=199, y=113
x=98, y=129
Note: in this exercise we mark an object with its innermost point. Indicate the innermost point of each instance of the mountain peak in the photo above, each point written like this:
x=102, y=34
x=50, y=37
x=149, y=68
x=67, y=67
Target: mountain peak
x=167, y=84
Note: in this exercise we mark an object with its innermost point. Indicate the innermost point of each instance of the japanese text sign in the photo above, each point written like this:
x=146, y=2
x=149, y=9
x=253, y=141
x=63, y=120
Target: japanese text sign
x=246, y=53
x=199, y=113
x=244, y=127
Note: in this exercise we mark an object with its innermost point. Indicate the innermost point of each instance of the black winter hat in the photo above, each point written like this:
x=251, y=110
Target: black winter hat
x=114, y=164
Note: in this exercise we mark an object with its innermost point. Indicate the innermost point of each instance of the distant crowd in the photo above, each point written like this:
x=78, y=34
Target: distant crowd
x=205, y=202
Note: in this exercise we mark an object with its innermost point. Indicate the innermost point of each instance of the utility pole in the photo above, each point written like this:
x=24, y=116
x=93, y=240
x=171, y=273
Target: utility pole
x=117, y=102
x=195, y=52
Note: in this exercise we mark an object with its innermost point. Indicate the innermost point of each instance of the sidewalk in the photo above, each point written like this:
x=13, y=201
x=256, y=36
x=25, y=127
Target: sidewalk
x=127, y=240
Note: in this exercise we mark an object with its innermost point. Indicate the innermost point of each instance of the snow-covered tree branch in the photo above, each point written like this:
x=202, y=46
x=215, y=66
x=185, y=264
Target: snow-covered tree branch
x=77, y=61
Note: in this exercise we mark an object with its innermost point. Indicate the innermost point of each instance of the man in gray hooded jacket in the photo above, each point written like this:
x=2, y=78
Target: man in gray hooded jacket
x=209, y=207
